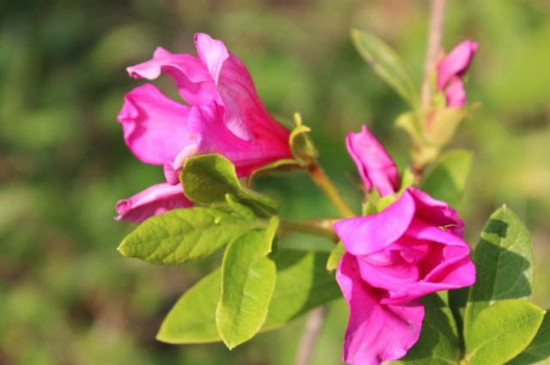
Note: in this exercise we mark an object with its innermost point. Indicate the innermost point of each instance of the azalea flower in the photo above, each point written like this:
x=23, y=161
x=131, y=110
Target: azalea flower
x=450, y=71
x=220, y=112
x=412, y=248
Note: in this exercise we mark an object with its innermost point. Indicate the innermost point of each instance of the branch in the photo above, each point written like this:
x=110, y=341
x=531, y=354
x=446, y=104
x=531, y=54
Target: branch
x=435, y=34
x=310, y=336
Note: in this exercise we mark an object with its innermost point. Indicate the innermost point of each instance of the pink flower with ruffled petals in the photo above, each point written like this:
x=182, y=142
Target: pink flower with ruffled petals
x=373, y=162
x=412, y=248
x=450, y=71
x=154, y=200
x=222, y=114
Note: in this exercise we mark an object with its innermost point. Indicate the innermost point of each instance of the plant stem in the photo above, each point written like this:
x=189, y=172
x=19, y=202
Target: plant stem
x=318, y=228
x=323, y=181
x=435, y=34
x=310, y=336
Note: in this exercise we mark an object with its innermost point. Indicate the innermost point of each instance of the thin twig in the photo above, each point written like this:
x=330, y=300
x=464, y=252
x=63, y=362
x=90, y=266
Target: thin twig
x=310, y=336
x=435, y=34
x=323, y=181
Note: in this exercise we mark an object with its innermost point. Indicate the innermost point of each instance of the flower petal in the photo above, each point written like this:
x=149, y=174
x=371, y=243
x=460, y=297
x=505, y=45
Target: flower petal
x=455, y=95
x=436, y=212
x=155, y=127
x=154, y=200
x=376, y=332
x=370, y=234
x=373, y=162
x=246, y=155
x=194, y=82
x=456, y=63
x=245, y=115
x=212, y=53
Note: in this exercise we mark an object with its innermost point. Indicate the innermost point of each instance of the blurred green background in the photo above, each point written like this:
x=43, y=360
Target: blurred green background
x=67, y=297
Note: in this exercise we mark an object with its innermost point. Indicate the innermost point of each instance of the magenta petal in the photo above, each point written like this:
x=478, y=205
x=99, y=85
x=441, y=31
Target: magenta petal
x=437, y=212
x=212, y=53
x=155, y=127
x=194, y=82
x=154, y=200
x=376, y=332
x=373, y=162
x=455, y=63
x=245, y=115
x=455, y=93
x=246, y=155
x=370, y=234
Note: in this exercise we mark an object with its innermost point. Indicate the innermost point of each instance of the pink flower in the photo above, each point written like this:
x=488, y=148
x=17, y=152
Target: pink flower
x=154, y=200
x=373, y=162
x=450, y=71
x=412, y=248
x=224, y=115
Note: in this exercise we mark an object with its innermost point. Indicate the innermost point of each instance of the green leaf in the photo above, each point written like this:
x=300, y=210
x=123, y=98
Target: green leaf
x=438, y=342
x=502, y=331
x=335, y=256
x=386, y=63
x=248, y=281
x=504, y=261
x=185, y=234
x=447, y=178
x=207, y=179
x=302, y=284
x=193, y=318
x=538, y=351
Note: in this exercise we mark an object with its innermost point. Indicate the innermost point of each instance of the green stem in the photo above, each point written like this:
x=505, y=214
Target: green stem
x=324, y=182
x=321, y=228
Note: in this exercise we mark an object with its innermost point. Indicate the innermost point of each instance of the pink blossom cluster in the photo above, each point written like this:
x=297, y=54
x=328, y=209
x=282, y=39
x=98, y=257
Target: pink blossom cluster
x=412, y=248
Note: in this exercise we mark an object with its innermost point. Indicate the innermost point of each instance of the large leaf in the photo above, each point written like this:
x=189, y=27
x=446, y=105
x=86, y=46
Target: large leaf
x=302, y=284
x=185, y=234
x=504, y=262
x=248, y=281
x=447, y=178
x=538, y=351
x=502, y=331
x=387, y=64
x=208, y=179
x=439, y=341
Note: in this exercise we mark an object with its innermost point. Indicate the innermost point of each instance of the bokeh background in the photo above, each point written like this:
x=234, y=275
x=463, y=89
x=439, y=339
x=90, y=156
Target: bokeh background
x=67, y=297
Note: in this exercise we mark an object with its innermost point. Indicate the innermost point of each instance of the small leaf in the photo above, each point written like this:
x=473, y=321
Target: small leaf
x=192, y=319
x=502, y=331
x=504, y=261
x=335, y=256
x=387, y=64
x=447, y=178
x=443, y=125
x=207, y=179
x=438, y=342
x=302, y=284
x=185, y=234
x=538, y=351
x=248, y=281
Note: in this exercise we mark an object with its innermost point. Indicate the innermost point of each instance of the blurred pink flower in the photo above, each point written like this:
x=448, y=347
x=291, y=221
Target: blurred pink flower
x=450, y=71
x=412, y=248
x=373, y=162
x=222, y=114
x=154, y=200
